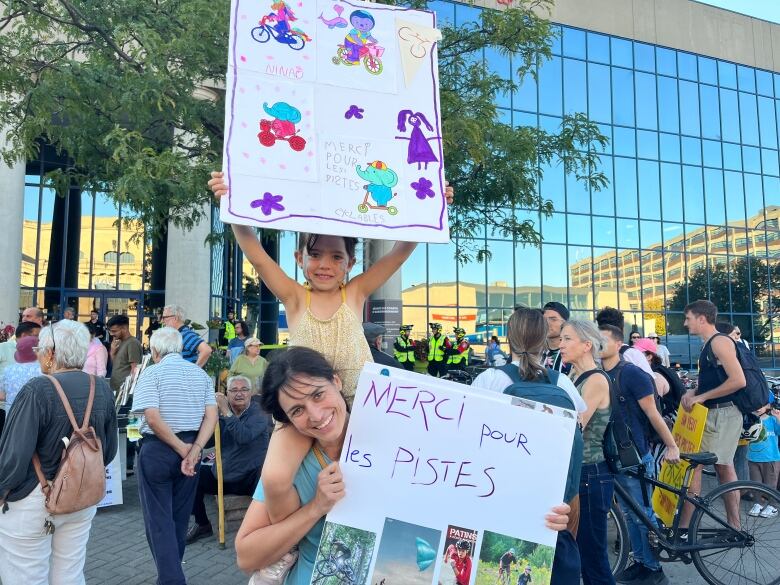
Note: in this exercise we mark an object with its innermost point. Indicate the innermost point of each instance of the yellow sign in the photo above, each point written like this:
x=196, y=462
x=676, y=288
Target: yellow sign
x=688, y=430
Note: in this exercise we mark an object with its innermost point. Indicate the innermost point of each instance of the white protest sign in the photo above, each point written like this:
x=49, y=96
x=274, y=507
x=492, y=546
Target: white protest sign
x=332, y=120
x=430, y=463
x=114, y=494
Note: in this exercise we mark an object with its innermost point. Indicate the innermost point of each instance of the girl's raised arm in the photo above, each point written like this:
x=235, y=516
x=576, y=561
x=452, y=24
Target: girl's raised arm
x=269, y=271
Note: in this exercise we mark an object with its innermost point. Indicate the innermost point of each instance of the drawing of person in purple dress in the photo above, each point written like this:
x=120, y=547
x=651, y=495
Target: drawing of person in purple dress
x=420, y=150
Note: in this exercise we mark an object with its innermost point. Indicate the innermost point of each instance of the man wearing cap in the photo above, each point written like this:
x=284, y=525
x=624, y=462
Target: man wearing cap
x=555, y=314
x=438, y=345
x=458, y=357
x=374, y=333
x=663, y=351
x=404, y=348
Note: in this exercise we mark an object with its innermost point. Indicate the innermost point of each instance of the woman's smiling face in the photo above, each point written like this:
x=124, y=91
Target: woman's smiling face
x=315, y=407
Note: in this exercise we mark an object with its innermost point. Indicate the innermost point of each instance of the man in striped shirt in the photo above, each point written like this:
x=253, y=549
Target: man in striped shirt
x=194, y=348
x=179, y=412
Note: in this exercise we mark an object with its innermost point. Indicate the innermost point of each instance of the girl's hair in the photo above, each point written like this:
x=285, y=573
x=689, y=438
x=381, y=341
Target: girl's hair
x=587, y=331
x=285, y=368
x=495, y=338
x=655, y=360
x=724, y=327
x=307, y=241
x=526, y=334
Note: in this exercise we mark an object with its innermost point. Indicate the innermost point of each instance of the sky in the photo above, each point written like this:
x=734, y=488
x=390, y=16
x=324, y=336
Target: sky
x=765, y=9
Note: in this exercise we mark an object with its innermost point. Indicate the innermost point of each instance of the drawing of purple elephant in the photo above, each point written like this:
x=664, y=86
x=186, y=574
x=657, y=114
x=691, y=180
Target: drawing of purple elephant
x=420, y=150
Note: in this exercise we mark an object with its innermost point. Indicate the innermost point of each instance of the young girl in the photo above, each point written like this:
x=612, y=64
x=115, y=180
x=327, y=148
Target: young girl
x=325, y=315
x=764, y=459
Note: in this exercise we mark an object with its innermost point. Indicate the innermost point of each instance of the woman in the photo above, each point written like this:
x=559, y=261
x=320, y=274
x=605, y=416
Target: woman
x=301, y=389
x=527, y=336
x=97, y=356
x=38, y=422
x=236, y=345
x=494, y=356
x=581, y=344
x=250, y=363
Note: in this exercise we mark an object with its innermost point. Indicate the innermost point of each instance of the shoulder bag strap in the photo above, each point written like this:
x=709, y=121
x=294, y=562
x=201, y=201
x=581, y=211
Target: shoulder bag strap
x=320, y=457
x=68, y=410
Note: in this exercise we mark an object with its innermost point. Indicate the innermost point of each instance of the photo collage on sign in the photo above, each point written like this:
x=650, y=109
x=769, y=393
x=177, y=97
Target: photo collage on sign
x=332, y=113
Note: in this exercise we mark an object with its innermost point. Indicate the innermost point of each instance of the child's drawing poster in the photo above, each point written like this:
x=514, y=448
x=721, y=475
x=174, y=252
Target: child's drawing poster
x=333, y=122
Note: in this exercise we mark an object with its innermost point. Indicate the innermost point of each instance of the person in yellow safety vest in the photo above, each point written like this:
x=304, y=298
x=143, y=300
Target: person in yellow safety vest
x=459, y=355
x=228, y=331
x=404, y=348
x=438, y=345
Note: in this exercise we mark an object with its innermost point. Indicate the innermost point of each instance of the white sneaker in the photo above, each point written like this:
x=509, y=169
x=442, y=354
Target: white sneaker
x=769, y=512
x=755, y=510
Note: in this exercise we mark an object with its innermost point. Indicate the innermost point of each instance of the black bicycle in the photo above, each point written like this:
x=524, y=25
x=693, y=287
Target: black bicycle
x=723, y=554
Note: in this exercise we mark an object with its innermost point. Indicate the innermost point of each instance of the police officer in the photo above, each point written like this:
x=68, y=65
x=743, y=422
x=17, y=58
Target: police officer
x=404, y=348
x=459, y=355
x=438, y=345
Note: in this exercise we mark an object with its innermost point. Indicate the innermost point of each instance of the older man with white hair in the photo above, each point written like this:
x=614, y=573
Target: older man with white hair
x=194, y=347
x=179, y=412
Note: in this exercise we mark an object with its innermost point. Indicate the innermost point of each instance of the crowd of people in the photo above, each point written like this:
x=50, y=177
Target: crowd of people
x=307, y=390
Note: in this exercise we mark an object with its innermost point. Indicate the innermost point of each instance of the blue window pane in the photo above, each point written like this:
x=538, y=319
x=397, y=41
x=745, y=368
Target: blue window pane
x=668, y=115
x=504, y=116
x=777, y=84
x=525, y=96
x=767, y=126
x=754, y=196
x=550, y=124
x=606, y=130
x=573, y=42
x=729, y=115
x=551, y=186
x=746, y=78
x=550, y=87
x=646, y=115
x=625, y=187
x=712, y=153
x=693, y=193
x=445, y=12
x=650, y=233
x=671, y=192
x=764, y=83
x=686, y=63
x=623, y=96
x=713, y=197
x=666, y=61
x=735, y=198
x=577, y=195
x=465, y=14
x=574, y=86
x=749, y=118
x=603, y=202
x=769, y=162
x=732, y=156
x=579, y=229
x=644, y=57
x=691, y=151
x=708, y=71
x=751, y=159
x=647, y=144
x=604, y=231
x=523, y=119
x=649, y=190
x=689, y=108
x=622, y=53
x=554, y=228
x=710, y=108
x=556, y=39
x=670, y=147
x=624, y=141
x=599, y=93
x=598, y=48
x=629, y=233
x=727, y=75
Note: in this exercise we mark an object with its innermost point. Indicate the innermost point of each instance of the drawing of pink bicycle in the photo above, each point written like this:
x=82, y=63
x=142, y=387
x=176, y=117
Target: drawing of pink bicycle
x=270, y=132
x=370, y=55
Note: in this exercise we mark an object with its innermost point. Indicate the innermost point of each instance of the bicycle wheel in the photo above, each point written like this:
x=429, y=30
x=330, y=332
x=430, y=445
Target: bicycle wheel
x=261, y=34
x=618, y=544
x=297, y=43
x=734, y=559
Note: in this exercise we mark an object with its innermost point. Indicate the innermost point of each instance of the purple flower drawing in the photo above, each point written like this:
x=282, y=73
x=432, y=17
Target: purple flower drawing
x=422, y=188
x=269, y=203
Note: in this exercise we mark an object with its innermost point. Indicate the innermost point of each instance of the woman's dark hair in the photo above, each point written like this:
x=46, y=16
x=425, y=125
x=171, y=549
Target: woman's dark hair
x=655, y=361
x=308, y=241
x=285, y=368
x=244, y=327
x=526, y=334
x=724, y=327
x=495, y=338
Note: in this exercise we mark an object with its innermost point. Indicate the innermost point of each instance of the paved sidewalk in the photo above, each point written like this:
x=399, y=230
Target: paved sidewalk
x=118, y=553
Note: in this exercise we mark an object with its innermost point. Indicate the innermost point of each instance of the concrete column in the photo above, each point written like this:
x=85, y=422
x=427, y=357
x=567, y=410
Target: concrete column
x=384, y=306
x=188, y=269
x=11, y=221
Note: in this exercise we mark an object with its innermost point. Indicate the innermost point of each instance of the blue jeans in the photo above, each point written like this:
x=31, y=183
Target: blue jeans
x=596, y=490
x=637, y=531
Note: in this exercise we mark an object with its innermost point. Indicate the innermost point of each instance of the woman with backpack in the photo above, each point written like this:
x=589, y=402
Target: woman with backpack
x=581, y=344
x=526, y=377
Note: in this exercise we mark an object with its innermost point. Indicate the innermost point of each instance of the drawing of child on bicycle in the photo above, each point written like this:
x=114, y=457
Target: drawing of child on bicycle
x=360, y=35
x=283, y=16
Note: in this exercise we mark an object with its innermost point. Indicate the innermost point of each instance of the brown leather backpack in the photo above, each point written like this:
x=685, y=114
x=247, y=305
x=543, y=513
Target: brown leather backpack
x=80, y=481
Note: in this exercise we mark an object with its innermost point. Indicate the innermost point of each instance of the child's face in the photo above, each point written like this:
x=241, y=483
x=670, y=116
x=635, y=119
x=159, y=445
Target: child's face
x=326, y=264
x=362, y=24
x=462, y=552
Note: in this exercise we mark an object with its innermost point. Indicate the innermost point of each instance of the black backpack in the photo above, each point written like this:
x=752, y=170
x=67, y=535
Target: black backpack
x=671, y=401
x=755, y=393
x=548, y=392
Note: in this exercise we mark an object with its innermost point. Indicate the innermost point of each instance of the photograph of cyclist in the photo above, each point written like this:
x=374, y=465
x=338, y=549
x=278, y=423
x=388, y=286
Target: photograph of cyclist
x=504, y=560
x=505, y=566
x=456, y=563
x=344, y=556
x=525, y=576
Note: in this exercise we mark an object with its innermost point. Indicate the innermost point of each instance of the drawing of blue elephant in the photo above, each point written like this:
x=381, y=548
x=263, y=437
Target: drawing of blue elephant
x=381, y=180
